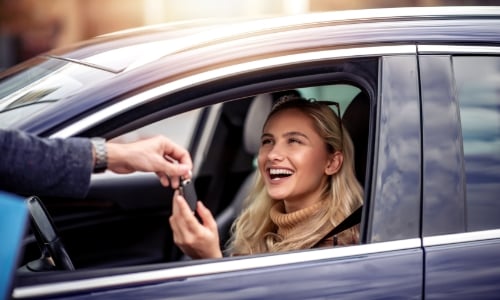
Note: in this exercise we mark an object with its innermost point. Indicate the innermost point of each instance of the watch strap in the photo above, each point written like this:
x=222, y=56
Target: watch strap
x=101, y=155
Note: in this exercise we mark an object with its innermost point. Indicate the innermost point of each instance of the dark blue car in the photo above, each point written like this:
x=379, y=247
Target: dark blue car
x=419, y=92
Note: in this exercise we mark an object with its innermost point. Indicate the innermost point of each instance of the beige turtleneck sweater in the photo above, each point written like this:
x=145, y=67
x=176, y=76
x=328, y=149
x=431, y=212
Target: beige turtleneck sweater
x=298, y=221
x=290, y=223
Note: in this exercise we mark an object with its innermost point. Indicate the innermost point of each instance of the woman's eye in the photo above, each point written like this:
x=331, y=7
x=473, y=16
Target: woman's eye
x=266, y=141
x=293, y=140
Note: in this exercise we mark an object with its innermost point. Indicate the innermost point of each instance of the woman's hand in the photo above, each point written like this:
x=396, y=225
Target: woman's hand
x=195, y=239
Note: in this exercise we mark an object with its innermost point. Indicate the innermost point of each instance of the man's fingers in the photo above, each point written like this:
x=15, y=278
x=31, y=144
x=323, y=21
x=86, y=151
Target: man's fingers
x=164, y=180
x=177, y=152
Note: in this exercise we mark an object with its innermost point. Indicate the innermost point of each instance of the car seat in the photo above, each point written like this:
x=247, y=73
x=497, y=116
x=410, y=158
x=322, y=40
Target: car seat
x=257, y=113
x=356, y=121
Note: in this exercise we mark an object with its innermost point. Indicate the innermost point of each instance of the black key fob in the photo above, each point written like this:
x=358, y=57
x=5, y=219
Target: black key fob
x=186, y=189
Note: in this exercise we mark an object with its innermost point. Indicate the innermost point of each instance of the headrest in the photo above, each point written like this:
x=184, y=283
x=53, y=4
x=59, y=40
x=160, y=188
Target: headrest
x=257, y=113
x=356, y=120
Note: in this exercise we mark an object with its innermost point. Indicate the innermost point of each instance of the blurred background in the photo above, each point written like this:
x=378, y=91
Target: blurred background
x=30, y=27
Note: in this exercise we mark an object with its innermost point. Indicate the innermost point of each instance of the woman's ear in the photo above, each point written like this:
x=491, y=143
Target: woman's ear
x=334, y=163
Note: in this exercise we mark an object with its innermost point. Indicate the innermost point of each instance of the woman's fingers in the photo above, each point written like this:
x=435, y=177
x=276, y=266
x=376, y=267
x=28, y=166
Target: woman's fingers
x=186, y=224
x=206, y=217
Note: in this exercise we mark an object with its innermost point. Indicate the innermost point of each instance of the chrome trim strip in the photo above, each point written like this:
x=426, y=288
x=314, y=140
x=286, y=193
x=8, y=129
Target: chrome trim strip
x=466, y=237
x=449, y=49
x=142, y=98
x=219, y=266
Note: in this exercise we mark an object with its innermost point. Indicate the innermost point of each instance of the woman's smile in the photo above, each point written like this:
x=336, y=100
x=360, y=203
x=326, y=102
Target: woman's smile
x=278, y=174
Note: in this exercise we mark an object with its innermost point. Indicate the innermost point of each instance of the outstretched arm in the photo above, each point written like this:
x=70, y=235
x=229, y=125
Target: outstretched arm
x=62, y=167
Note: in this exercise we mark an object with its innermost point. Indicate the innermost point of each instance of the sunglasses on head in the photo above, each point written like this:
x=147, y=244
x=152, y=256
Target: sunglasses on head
x=337, y=106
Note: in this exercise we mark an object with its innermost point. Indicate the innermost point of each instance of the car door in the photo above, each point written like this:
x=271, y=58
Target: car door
x=461, y=130
x=388, y=263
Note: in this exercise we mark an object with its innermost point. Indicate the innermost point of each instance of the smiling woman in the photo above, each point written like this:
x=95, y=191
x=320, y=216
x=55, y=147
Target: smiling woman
x=305, y=188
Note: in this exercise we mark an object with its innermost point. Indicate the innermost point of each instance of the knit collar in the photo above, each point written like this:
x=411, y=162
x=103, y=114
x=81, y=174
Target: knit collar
x=288, y=223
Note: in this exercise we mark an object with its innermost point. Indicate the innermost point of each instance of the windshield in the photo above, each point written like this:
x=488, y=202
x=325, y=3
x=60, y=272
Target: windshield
x=37, y=85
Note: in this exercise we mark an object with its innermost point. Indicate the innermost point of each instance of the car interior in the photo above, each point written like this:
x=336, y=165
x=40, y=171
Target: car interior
x=129, y=227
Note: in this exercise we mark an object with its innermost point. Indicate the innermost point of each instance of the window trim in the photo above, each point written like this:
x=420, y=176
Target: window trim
x=465, y=237
x=451, y=49
x=224, y=72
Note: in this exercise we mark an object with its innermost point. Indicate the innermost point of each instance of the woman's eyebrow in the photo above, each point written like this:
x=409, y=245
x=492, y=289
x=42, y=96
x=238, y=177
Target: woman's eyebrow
x=268, y=135
x=295, y=133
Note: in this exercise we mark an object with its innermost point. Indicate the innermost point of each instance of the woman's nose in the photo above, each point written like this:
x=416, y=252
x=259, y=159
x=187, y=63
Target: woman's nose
x=276, y=153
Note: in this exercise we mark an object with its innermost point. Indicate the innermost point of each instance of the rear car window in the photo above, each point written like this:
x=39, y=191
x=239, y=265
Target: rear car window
x=477, y=80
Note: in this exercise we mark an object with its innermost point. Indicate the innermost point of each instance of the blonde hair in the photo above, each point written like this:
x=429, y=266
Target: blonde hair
x=254, y=232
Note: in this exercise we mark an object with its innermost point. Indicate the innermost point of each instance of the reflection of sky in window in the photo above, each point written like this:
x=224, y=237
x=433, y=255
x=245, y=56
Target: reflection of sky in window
x=479, y=103
x=478, y=90
x=62, y=81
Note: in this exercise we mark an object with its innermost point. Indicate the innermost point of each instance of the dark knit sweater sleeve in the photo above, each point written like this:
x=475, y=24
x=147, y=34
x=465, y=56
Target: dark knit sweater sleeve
x=35, y=166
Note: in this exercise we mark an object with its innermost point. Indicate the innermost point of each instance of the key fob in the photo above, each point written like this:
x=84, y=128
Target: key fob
x=186, y=189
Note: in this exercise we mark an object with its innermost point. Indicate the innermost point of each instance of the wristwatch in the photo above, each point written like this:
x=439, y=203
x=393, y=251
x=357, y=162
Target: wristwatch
x=101, y=155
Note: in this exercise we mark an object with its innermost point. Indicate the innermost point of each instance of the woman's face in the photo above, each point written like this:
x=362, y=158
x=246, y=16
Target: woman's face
x=293, y=159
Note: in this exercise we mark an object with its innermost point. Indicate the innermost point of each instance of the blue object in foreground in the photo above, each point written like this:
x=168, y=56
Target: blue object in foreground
x=13, y=220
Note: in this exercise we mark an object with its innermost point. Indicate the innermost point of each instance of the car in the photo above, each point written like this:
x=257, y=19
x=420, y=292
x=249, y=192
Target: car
x=418, y=92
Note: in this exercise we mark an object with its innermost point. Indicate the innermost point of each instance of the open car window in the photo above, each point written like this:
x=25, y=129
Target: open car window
x=127, y=215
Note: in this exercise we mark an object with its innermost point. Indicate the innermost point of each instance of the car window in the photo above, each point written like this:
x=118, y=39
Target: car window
x=179, y=128
x=96, y=231
x=477, y=80
x=341, y=93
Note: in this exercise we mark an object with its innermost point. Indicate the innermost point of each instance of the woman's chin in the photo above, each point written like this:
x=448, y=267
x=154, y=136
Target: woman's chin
x=277, y=195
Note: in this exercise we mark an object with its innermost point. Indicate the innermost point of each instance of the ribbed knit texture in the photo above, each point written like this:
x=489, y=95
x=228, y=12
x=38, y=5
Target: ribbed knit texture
x=289, y=223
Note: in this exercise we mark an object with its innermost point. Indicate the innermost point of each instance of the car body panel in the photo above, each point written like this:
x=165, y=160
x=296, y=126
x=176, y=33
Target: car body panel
x=459, y=264
x=329, y=272
x=198, y=59
x=395, y=214
x=441, y=128
x=462, y=266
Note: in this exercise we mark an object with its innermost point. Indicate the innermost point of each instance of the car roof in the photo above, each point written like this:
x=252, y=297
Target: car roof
x=144, y=57
x=143, y=45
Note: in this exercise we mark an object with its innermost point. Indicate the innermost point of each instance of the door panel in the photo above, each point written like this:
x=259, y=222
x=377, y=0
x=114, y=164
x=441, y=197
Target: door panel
x=468, y=267
x=390, y=270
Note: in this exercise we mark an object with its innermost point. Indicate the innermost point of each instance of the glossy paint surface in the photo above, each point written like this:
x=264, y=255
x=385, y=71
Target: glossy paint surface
x=397, y=179
x=465, y=270
x=444, y=185
x=394, y=274
x=239, y=47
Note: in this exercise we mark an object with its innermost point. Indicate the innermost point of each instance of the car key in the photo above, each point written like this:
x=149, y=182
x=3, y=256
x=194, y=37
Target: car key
x=186, y=189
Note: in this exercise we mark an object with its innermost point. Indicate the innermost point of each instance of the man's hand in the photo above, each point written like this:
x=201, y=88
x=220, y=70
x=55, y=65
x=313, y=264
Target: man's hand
x=148, y=155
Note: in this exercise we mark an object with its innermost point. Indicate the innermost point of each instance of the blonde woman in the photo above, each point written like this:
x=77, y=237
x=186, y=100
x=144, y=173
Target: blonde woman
x=306, y=186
